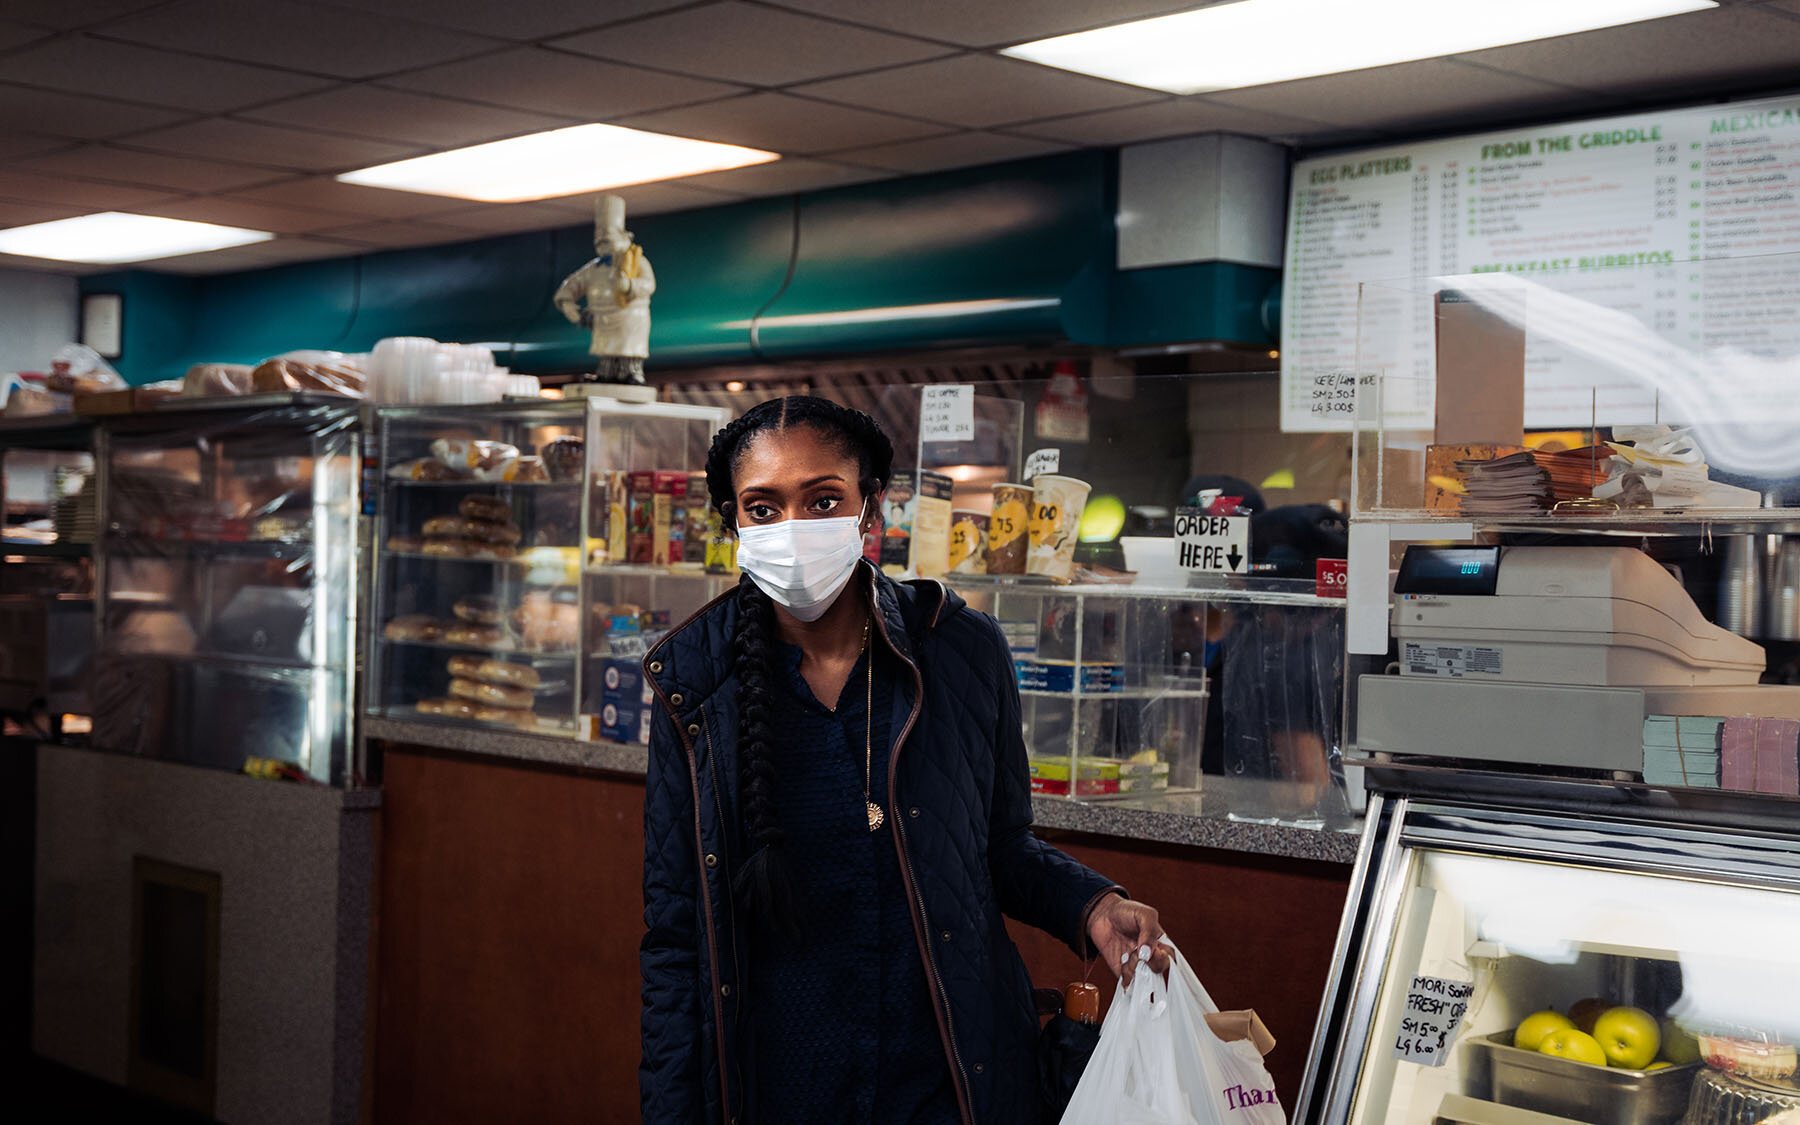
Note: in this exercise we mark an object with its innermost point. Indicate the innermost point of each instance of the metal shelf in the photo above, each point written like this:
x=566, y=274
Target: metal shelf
x=128, y=546
x=1633, y=523
x=34, y=549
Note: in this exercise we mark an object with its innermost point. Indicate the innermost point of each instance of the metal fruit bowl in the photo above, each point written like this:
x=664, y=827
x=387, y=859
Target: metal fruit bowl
x=1599, y=1095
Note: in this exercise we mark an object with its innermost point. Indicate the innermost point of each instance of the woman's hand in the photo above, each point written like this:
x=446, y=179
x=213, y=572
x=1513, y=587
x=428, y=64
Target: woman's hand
x=1119, y=927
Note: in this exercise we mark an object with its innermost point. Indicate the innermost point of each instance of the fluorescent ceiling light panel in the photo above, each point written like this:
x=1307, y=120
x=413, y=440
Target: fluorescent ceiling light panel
x=1253, y=42
x=113, y=236
x=568, y=161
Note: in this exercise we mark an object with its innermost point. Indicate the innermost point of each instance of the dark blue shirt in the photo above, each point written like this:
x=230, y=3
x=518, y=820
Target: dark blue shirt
x=843, y=1021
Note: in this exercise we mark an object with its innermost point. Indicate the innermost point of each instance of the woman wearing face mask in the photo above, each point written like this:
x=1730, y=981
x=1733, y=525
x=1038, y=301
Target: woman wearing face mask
x=837, y=815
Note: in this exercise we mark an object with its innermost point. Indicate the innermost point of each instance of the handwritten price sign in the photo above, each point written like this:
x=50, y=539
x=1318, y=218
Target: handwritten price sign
x=1434, y=1011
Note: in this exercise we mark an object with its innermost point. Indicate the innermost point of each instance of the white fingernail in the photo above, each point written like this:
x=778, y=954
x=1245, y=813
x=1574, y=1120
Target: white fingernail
x=1124, y=958
x=1143, y=953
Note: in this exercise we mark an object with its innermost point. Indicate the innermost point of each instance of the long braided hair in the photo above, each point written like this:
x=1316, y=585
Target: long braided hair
x=765, y=885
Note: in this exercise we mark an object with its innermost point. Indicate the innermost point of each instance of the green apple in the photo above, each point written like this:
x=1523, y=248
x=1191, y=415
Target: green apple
x=1585, y=1012
x=1533, y=1028
x=1679, y=1047
x=1658, y=1065
x=1629, y=1036
x=1570, y=1043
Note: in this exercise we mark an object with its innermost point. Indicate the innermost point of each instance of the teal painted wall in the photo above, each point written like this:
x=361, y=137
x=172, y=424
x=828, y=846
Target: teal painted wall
x=1022, y=251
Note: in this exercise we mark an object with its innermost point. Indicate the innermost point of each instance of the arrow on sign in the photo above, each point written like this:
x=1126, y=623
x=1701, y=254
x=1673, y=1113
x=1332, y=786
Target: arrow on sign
x=1233, y=557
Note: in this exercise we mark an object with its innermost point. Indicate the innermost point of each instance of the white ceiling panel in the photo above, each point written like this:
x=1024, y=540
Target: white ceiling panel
x=393, y=234
x=324, y=193
x=28, y=109
x=25, y=187
x=223, y=139
x=260, y=255
x=958, y=150
x=1416, y=93
x=64, y=14
x=784, y=177
x=251, y=214
x=749, y=43
x=1704, y=47
x=345, y=44
x=1172, y=118
x=515, y=19
x=784, y=124
x=417, y=120
x=85, y=65
x=569, y=85
x=147, y=169
x=973, y=23
x=978, y=91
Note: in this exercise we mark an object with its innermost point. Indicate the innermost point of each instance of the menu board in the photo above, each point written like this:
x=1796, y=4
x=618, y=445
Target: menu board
x=1642, y=245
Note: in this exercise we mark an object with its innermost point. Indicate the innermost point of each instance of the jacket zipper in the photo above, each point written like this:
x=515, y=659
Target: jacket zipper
x=922, y=921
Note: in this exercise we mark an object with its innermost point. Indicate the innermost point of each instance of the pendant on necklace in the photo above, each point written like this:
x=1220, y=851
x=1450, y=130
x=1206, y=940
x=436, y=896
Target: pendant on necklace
x=875, y=816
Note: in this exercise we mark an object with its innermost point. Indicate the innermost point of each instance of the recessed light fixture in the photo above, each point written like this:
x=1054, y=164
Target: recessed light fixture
x=1252, y=42
x=567, y=161
x=114, y=236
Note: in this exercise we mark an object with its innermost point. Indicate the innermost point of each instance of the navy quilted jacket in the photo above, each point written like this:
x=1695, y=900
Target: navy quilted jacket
x=960, y=818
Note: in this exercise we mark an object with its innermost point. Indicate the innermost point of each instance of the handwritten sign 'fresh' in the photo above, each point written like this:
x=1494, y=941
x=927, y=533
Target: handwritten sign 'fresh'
x=1434, y=1011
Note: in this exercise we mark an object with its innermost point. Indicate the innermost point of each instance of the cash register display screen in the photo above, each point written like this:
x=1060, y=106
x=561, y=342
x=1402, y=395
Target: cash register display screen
x=1449, y=570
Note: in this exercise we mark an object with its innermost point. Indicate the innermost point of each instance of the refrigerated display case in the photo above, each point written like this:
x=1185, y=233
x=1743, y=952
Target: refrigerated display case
x=228, y=576
x=499, y=586
x=1479, y=900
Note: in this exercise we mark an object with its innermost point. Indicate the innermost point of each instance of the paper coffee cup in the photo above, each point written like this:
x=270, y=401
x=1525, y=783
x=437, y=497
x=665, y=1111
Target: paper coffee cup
x=1007, y=537
x=968, y=541
x=1056, y=504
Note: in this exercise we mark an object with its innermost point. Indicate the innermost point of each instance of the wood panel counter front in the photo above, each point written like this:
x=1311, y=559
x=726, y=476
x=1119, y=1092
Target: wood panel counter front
x=511, y=907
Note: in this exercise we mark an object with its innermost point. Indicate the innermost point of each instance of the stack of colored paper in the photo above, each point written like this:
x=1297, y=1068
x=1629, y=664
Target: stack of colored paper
x=1682, y=750
x=1760, y=755
x=1532, y=481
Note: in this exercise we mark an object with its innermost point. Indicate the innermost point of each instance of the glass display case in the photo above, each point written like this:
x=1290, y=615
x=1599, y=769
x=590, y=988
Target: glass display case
x=228, y=580
x=1536, y=957
x=521, y=546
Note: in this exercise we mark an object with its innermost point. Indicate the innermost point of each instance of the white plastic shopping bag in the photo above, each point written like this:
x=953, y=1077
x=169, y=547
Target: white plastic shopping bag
x=1158, y=1063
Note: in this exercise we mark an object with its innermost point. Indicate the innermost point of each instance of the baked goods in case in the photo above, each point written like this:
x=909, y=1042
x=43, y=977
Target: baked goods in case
x=480, y=609
x=526, y=470
x=413, y=627
x=475, y=636
x=1750, y=1058
x=454, y=708
x=449, y=548
x=478, y=506
x=448, y=527
x=427, y=469
x=405, y=544
x=546, y=623
x=484, y=713
x=497, y=695
x=488, y=671
x=489, y=532
x=564, y=458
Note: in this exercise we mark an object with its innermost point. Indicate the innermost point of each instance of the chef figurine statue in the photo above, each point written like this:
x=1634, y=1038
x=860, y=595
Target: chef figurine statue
x=616, y=288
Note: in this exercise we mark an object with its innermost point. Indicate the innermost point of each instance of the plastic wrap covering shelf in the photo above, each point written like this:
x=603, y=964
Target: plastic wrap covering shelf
x=229, y=578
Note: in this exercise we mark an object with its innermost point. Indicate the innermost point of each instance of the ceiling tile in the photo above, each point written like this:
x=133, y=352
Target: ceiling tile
x=507, y=218
x=959, y=150
x=17, y=35
x=24, y=214
x=85, y=65
x=44, y=265
x=784, y=177
x=989, y=24
x=393, y=234
x=252, y=214
x=25, y=187
x=656, y=199
x=15, y=146
x=324, y=193
x=224, y=139
x=515, y=19
x=1720, y=44
x=71, y=115
x=752, y=44
x=1407, y=94
x=783, y=124
x=978, y=91
x=1173, y=118
x=260, y=255
x=150, y=169
x=553, y=82
x=62, y=14
x=347, y=44
x=414, y=119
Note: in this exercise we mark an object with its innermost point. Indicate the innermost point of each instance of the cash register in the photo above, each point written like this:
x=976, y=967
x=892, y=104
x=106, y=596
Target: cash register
x=1550, y=656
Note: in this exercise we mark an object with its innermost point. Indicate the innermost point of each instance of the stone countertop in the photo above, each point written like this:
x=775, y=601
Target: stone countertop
x=1200, y=820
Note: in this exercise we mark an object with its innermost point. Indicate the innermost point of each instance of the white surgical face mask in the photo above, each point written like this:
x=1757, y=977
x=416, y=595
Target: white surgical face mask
x=803, y=564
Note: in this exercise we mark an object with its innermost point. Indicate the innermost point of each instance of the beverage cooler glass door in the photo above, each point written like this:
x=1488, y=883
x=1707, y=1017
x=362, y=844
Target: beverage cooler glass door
x=1479, y=944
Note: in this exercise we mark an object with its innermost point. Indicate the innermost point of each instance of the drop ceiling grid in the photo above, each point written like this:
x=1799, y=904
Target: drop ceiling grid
x=247, y=109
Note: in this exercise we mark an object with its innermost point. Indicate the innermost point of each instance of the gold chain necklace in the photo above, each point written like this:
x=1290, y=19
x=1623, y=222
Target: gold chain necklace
x=875, y=814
